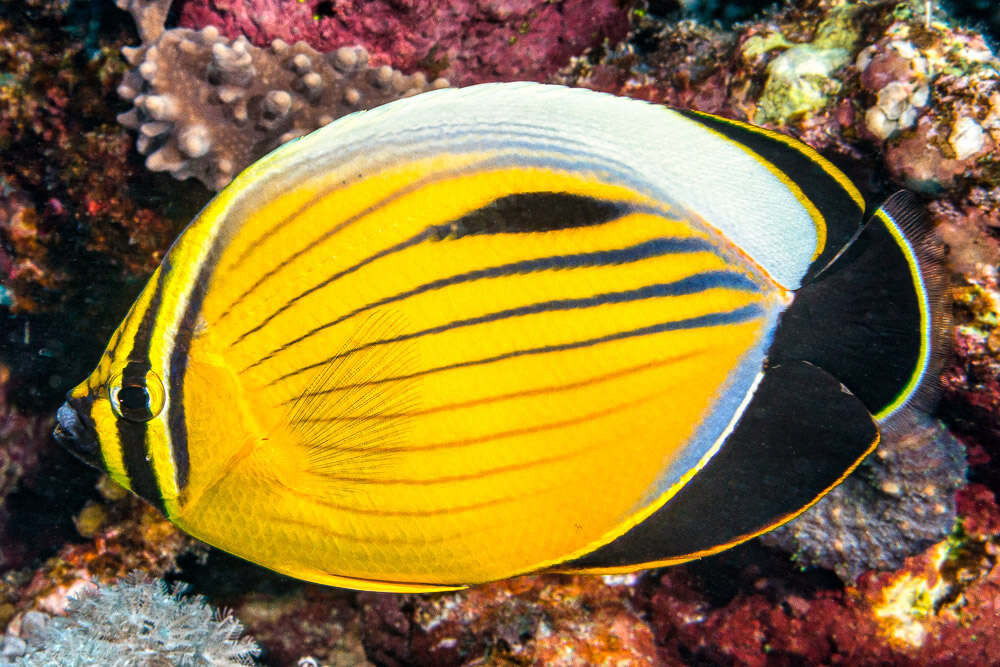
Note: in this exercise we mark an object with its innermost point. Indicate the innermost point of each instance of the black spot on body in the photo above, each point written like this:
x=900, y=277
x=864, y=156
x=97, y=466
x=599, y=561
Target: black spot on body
x=530, y=212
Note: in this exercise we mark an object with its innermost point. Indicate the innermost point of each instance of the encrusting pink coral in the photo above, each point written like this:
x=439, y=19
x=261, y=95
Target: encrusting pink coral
x=548, y=620
x=939, y=608
x=467, y=41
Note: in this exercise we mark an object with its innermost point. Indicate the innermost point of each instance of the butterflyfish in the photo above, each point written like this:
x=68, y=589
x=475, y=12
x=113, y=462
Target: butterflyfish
x=512, y=328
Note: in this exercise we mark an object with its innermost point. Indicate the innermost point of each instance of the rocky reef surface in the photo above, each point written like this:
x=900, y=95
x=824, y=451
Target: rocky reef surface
x=107, y=152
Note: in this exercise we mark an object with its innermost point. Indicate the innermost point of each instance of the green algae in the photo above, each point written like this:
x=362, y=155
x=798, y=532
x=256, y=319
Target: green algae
x=758, y=45
x=801, y=80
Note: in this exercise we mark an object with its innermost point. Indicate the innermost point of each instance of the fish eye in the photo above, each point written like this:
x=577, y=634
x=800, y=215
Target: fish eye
x=136, y=396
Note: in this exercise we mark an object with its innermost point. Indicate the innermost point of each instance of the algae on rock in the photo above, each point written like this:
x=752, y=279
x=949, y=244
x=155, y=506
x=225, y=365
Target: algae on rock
x=802, y=80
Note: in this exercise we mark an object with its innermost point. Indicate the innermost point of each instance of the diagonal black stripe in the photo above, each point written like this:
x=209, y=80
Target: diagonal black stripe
x=634, y=253
x=284, y=222
x=425, y=235
x=301, y=251
x=516, y=155
x=699, y=282
x=556, y=210
x=481, y=221
x=712, y=319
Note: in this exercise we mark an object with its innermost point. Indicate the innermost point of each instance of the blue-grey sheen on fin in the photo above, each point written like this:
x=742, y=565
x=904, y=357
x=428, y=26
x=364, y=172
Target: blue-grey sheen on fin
x=727, y=409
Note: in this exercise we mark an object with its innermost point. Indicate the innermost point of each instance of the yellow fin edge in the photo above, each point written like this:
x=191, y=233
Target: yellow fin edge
x=925, y=317
x=372, y=585
x=677, y=560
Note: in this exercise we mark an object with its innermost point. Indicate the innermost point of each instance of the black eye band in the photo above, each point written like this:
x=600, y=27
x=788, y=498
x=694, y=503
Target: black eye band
x=136, y=397
x=133, y=398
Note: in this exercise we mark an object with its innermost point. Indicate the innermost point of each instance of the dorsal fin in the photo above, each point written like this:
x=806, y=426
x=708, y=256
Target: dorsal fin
x=817, y=183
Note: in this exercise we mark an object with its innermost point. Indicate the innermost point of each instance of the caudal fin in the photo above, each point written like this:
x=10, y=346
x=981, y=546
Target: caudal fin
x=875, y=319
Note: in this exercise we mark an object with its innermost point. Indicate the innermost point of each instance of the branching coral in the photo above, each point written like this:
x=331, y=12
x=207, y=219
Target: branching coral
x=137, y=622
x=207, y=106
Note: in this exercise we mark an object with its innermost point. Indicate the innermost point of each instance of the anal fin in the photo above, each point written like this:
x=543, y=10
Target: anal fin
x=801, y=434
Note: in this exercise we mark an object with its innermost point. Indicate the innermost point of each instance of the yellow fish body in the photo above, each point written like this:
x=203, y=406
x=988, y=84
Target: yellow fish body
x=482, y=332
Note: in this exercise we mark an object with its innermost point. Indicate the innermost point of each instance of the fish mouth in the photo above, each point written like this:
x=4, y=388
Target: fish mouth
x=75, y=431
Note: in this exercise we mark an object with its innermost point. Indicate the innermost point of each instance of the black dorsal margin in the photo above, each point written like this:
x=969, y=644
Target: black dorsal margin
x=528, y=212
x=800, y=435
x=813, y=175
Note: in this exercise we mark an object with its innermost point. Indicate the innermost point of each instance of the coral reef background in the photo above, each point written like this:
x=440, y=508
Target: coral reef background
x=106, y=152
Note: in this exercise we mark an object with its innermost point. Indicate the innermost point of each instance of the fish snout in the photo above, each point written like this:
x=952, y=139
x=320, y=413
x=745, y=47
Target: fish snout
x=74, y=432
